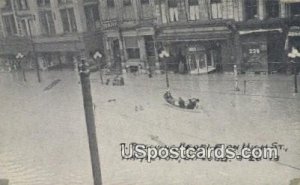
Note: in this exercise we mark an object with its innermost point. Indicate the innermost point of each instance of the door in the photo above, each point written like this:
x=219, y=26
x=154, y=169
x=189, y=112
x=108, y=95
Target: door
x=196, y=62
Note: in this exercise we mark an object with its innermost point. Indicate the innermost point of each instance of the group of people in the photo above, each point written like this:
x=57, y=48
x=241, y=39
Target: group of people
x=191, y=104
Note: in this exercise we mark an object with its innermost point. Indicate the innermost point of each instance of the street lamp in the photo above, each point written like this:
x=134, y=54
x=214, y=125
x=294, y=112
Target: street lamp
x=98, y=56
x=293, y=55
x=19, y=57
x=164, y=55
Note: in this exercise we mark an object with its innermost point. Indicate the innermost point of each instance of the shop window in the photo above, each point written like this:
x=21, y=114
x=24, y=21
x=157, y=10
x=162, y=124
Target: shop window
x=68, y=20
x=127, y=2
x=194, y=10
x=9, y=24
x=250, y=9
x=92, y=17
x=22, y=4
x=47, y=23
x=216, y=9
x=110, y=3
x=173, y=10
x=42, y=3
x=132, y=48
x=272, y=8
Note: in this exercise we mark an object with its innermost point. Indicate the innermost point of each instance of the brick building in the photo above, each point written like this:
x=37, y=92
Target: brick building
x=200, y=35
x=61, y=30
x=203, y=35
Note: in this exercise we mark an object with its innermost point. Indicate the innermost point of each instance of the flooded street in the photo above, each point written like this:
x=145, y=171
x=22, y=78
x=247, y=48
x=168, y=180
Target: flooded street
x=43, y=138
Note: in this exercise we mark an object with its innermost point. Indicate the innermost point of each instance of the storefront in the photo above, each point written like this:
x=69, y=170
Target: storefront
x=196, y=50
x=262, y=50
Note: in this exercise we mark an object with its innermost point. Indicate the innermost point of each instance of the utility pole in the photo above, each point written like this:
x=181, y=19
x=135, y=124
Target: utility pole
x=90, y=119
x=34, y=53
x=295, y=77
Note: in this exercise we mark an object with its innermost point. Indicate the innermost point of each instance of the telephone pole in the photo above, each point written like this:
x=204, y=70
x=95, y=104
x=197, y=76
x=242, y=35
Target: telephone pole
x=90, y=119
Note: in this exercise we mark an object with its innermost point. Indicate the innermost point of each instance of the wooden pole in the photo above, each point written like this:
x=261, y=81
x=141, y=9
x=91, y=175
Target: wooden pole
x=90, y=120
x=295, y=78
x=34, y=53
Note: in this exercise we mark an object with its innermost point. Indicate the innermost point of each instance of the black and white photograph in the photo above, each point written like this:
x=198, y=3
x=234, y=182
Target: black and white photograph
x=149, y=92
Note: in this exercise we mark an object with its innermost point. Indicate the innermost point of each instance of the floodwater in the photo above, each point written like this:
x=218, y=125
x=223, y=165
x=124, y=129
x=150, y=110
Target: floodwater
x=43, y=137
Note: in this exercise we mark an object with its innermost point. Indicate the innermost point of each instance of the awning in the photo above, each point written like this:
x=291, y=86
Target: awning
x=290, y=1
x=180, y=37
x=245, y=32
x=294, y=31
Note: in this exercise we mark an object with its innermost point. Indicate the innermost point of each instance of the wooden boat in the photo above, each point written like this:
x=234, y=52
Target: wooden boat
x=172, y=102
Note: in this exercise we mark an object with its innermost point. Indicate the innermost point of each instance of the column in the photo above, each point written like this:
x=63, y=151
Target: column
x=261, y=9
x=282, y=10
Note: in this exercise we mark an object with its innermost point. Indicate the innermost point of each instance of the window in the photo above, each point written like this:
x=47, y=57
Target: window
x=272, y=8
x=22, y=4
x=295, y=9
x=250, y=9
x=9, y=25
x=92, y=16
x=47, y=23
x=42, y=3
x=173, y=10
x=68, y=20
x=7, y=5
x=64, y=1
x=127, y=2
x=144, y=2
x=149, y=43
x=194, y=10
x=23, y=25
x=132, y=48
x=216, y=9
x=110, y=3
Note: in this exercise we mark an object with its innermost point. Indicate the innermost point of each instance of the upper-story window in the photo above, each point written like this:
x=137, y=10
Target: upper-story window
x=47, y=23
x=173, y=10
x=127, y=2
x=68, y=20
x=24, y=27
x=144, y=2
x=295, y=9
x=110, y=3
x=64, y=1
x=216, y=9
x=42, y=3
x=194, y=10
x=250, y=9
x=92, y=16
x=22, y=4
x=272, y=8
x=7, y=5
x=9, y=24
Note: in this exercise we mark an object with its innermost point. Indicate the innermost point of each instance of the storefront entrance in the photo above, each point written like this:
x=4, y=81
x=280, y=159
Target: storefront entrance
x=200, y=61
